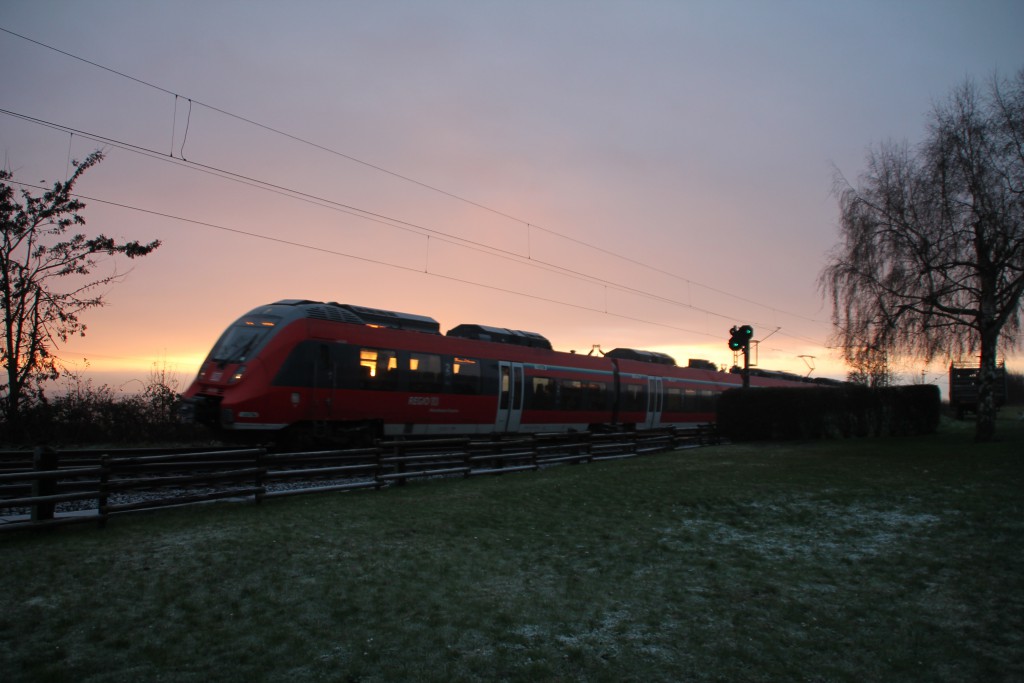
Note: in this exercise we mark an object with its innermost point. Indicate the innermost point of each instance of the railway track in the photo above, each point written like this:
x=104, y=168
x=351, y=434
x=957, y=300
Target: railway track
x=45, y=488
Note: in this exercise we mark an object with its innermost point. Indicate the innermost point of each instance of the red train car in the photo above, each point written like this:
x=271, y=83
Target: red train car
x=298, y=364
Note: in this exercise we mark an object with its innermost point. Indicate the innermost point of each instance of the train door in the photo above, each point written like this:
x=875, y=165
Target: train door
x=654, y=402
x=324, y=384
x=510, y=396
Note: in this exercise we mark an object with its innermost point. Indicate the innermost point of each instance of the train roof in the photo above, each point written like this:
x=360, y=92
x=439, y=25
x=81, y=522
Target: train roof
x=645, y=356
x=363, y=315
x=500, y=335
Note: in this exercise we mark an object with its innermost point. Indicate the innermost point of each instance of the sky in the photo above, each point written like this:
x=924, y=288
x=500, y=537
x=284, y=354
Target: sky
x=640, y=174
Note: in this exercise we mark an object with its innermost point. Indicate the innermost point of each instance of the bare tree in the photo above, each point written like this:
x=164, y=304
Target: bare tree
x=868, y=367
x=931, y=261
x=44, y=282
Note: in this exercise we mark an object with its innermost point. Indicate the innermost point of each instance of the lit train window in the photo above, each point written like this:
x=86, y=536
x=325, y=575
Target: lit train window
x=462, y=365
x=467, y=376
x=377, y=368
x=368, y=360
x=425, y=372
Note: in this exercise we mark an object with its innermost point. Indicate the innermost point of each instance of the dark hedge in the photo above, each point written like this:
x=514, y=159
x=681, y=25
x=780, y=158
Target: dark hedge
x=827, y=412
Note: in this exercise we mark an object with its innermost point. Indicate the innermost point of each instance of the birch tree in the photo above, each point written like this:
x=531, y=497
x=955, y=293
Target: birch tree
x=931, y=258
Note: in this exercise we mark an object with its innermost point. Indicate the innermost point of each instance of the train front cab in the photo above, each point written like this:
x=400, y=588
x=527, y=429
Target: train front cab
x=235, y=369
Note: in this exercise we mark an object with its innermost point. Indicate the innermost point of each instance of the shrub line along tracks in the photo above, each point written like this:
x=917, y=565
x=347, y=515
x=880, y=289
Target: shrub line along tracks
x=45, y=488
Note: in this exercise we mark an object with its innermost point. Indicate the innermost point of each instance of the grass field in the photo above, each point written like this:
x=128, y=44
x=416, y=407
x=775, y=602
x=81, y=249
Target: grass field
x=878, y=560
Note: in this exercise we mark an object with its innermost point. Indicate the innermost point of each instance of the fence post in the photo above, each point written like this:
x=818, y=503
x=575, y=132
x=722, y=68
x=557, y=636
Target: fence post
x=379, y=470
x=400, y=461
x=261, y=468
x=44, y=459
x=104, y=492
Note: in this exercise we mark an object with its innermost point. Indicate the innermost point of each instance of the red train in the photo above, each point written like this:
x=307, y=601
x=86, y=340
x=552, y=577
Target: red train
x=330, y=367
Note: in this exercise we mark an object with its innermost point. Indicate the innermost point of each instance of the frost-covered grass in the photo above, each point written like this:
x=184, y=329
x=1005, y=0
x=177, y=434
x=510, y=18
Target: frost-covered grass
x=861, y=560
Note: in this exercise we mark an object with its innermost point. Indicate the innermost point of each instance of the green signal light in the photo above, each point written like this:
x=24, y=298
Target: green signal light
x=741, y=336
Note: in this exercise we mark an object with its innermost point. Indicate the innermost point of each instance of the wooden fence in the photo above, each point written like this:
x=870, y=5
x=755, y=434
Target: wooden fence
x=49, y=488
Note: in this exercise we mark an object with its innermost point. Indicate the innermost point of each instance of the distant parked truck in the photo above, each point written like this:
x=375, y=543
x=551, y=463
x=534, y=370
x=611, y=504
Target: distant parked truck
x=963, y=387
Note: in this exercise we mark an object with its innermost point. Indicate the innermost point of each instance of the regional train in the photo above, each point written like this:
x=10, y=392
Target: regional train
x=298, y=365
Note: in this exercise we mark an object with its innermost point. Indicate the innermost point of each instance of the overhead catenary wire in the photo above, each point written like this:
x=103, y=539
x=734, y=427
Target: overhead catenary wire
x=296, y=138
x=531, y=257
x=330, y=204
x=359, y=213
x=365, y=259
x=382, y=219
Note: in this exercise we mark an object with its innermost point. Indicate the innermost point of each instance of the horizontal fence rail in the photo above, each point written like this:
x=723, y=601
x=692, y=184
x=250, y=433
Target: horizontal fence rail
x=46, y=488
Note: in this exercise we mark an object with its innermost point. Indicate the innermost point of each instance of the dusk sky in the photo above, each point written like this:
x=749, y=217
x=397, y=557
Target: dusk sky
x=623, y=174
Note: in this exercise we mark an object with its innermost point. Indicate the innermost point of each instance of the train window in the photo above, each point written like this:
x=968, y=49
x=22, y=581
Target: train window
x=572, y=394
x=312, y=364
x=243, y=339
x=674, y=399
x=489, y=377
x=706, y=400
x=425, y=372
x=595, y=395
x=323, y=369
x=466, y=376
x=297, y=369
x=541, y=395
x=506, y=386
x=690, y=402
x=633, y=397
x=378, y=369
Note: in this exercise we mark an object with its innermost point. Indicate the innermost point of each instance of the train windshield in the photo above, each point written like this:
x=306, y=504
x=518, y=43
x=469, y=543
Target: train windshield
x=243, y=339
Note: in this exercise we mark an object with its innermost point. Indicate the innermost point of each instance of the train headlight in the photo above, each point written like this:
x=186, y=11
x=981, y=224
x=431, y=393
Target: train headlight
x=238, y=374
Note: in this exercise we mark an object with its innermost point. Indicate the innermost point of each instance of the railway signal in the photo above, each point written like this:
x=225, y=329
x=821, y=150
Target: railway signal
x=741, y=336
x=740, y=341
